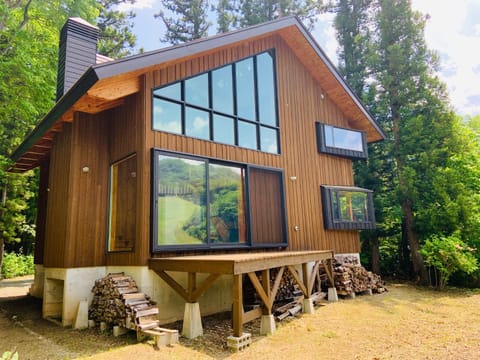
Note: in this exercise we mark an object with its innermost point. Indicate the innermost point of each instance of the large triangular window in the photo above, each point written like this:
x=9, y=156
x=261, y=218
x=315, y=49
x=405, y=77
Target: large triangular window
x=235, y=104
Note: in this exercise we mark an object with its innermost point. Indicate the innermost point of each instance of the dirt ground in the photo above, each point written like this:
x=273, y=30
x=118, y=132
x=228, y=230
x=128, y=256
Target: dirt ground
x=405, y=323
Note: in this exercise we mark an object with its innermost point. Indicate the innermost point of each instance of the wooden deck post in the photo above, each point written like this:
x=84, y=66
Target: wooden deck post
x=237, y=305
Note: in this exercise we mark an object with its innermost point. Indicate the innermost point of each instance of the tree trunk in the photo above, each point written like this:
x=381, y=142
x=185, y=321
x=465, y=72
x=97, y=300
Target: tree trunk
x=417, y=259
x=2, y=242
x=374, y=246
x=1, y=257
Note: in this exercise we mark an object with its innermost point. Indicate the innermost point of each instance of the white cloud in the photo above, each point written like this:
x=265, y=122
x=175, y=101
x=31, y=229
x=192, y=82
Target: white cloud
x=444, y=33
x=139, y=4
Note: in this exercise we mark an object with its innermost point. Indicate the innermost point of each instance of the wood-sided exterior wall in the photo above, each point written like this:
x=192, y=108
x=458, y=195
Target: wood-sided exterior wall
x=77, y=209
x=301, y=103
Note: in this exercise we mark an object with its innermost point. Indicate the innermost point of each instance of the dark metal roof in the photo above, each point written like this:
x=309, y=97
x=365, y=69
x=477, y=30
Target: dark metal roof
x=138, y=62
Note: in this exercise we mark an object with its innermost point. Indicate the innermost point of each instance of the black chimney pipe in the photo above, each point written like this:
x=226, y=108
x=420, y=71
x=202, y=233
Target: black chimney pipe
x=77, y=51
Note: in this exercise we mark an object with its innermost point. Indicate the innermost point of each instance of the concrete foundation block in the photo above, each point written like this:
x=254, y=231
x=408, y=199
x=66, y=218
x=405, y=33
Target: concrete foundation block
x=81, y=320
x=267, y=325
x=119, y=330
x=192, y=321
x=239, y=343
x=307, y=306
x=332, y=294
x=103, y=326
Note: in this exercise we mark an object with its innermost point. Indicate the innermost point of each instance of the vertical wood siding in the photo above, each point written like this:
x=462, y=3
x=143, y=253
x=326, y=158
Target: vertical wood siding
x=300, y=106
x=75, y=229
x=78, y=202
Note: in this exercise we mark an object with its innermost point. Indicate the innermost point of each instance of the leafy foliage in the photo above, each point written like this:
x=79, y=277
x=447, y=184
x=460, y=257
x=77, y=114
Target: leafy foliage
x=447, y=254
x=116, y=37
x=14, y=265
x=184, y=20
x=425, y=174
x=8, y=355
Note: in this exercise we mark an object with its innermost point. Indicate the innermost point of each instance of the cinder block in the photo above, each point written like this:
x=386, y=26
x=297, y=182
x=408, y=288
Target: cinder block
x=239, y=343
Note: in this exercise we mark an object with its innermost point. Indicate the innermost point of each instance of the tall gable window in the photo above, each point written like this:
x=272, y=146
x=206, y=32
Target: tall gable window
x=339, y=141
x=235, y=105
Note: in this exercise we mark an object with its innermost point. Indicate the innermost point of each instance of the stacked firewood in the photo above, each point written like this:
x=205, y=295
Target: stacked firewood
x=350, y=278
x=116, y=301
x=287, y=290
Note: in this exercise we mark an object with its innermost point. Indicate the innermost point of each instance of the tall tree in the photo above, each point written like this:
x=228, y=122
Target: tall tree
x=184, y=20
x=251, y=12
x=384, y=57
x=226, y=15
x=116, y=37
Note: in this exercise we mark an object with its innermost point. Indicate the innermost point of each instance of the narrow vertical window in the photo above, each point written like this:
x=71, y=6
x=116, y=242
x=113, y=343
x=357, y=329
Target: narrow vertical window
x=123, y=205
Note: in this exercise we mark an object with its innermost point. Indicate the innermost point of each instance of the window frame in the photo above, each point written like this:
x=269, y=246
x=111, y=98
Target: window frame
x=322, y=146
x=249, y=244
x=110, y=203
x=234, y=115
x=328, y=192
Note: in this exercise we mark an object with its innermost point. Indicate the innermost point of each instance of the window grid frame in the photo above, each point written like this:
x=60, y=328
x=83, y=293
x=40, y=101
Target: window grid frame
x=236, y=118
x=249, y=243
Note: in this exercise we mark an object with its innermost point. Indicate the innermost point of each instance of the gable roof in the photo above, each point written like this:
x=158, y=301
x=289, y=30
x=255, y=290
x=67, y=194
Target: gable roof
x=105, y=85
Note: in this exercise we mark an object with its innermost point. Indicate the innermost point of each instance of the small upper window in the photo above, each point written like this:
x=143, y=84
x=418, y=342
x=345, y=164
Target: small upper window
x=342, y=142
x=347, y=208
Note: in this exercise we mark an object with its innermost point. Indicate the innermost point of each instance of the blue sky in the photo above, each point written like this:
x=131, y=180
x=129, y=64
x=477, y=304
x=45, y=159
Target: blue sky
x=453, y=31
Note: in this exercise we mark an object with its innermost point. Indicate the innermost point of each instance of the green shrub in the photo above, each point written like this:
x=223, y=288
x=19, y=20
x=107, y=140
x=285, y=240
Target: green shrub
x=447, y=255
x=17, y=265
x=9, y=356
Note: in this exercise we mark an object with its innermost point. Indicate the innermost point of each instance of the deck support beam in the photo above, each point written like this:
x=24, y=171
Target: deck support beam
x=239, y=265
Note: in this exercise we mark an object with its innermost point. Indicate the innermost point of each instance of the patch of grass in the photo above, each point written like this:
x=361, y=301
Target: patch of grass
x=330, y=334
x=17, y=265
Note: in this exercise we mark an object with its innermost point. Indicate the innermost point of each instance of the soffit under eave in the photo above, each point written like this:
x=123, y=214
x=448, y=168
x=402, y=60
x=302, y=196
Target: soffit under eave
x=95, y=100
x=339, y=93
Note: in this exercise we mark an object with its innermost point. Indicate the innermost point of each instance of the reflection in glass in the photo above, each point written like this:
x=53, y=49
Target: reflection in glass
x=227, y=204
x=222, y=90
x=247, y=135
x=171, y=91
x=197, y=123
x=350, y=206
x=181, y=201
x=167, y=116
x=223, y=129
x=343, y=138
x=266, y=89
x=268, y=140
x=196, y=91
x=245, y=89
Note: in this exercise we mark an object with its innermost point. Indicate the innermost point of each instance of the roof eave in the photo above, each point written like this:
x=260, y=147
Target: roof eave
x=88, y=79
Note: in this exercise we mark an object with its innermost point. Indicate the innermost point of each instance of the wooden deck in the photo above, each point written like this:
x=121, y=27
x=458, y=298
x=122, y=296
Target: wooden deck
x=239, y=264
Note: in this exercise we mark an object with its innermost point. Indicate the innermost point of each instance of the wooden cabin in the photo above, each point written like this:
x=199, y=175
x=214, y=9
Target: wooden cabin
x=239, y=143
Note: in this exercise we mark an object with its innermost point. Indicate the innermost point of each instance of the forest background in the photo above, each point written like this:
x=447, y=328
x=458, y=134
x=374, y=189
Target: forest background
x=426, y=174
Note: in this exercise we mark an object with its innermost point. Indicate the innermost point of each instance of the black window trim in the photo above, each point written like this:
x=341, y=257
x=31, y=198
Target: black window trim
x=154, y=248
x=351, y=154
x=329, y=221
x=258, y=124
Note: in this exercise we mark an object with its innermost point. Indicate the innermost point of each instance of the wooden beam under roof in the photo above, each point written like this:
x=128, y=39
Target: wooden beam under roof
x=116, y=87
x=93, y=105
